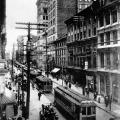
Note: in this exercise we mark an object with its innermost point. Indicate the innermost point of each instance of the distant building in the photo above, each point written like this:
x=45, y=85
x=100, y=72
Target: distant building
x=2, y=28
x=82, y=4
x=42, y=18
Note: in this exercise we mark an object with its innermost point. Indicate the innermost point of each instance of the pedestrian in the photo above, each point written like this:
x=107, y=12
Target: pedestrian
x=69, y=85
x=95, y=95
x=39, y=95
x=106, y=101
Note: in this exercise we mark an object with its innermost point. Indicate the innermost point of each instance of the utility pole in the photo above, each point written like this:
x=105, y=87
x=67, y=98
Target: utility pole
x=28, y=59
x=13, y=63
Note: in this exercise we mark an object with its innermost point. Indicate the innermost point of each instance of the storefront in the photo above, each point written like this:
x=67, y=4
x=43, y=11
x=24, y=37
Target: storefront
x=115, y=88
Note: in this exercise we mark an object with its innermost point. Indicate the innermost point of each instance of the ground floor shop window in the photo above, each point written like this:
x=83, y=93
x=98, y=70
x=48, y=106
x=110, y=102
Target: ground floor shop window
x=102, y=85
x=115, y=92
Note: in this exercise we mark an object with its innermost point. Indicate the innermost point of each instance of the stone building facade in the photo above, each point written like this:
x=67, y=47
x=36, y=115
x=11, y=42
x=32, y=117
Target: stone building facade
x=58, y=12
x=93, y=48
x=108, y=49
x=81, y=47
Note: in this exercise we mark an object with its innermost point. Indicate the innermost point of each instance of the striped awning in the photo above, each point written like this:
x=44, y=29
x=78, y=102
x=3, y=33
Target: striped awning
x=6, y=100
x=7, y=97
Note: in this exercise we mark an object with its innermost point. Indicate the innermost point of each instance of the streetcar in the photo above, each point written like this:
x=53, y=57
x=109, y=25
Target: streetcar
x=74, y=105
x=44, y=84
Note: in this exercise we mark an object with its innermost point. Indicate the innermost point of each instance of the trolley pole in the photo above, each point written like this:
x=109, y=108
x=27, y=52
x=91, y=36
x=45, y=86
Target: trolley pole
x=28, y=72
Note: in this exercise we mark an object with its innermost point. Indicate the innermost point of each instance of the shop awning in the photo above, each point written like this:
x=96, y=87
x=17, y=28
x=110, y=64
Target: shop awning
x=55, y=70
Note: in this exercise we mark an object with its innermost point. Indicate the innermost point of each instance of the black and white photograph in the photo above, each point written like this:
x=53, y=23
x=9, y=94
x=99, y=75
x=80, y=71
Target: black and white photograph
x=59, y=60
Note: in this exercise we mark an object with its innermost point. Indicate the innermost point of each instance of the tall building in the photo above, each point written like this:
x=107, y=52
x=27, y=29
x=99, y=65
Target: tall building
x=82, y=4
x=42, y=18
x=58, y=12
x=2, y=28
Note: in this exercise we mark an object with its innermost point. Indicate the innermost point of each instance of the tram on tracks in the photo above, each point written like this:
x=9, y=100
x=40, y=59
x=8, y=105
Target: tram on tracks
x=74, y=105
x=44, y=84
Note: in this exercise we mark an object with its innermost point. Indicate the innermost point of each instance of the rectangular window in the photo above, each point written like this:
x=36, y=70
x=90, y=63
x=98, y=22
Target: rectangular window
x=94, y=31
x=43, y=17
x=108, y=59
x=107, y=18
x=114, y=16
x=89, y=32
x=101, y=39
x=108, y=38
x=102, y=60
x=101, y=21
x=115, y=37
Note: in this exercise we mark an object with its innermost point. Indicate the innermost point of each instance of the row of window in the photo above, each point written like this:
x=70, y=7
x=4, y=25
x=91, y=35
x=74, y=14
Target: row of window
x=81, y=34
x=108, y=38
x=79, y=61
x=51, y=6
x=45, y=17
x=82, y=49
x=61, y=44
x=60, y=52
x=51, y=14
x=61, y=61
x=107, y=62
x=52, y=22
x=108, y=18
x=52, y=38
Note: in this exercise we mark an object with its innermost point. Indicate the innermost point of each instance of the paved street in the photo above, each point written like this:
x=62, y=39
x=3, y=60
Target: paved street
x=35, y=104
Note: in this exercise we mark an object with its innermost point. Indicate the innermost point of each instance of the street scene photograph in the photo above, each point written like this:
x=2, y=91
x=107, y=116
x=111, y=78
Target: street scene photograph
x=59, y=60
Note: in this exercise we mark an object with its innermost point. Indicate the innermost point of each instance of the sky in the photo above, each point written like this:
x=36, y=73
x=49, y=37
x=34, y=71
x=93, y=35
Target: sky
x=18, y=11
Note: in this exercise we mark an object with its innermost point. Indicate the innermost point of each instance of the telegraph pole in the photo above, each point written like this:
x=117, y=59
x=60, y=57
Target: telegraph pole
x=28, y=59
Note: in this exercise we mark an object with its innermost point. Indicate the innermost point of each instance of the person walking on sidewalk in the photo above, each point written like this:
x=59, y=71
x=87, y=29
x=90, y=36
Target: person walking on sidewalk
x=106, y=101
x=39, y=94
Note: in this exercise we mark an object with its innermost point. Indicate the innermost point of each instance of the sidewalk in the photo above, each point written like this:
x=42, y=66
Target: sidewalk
x=115, y=109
